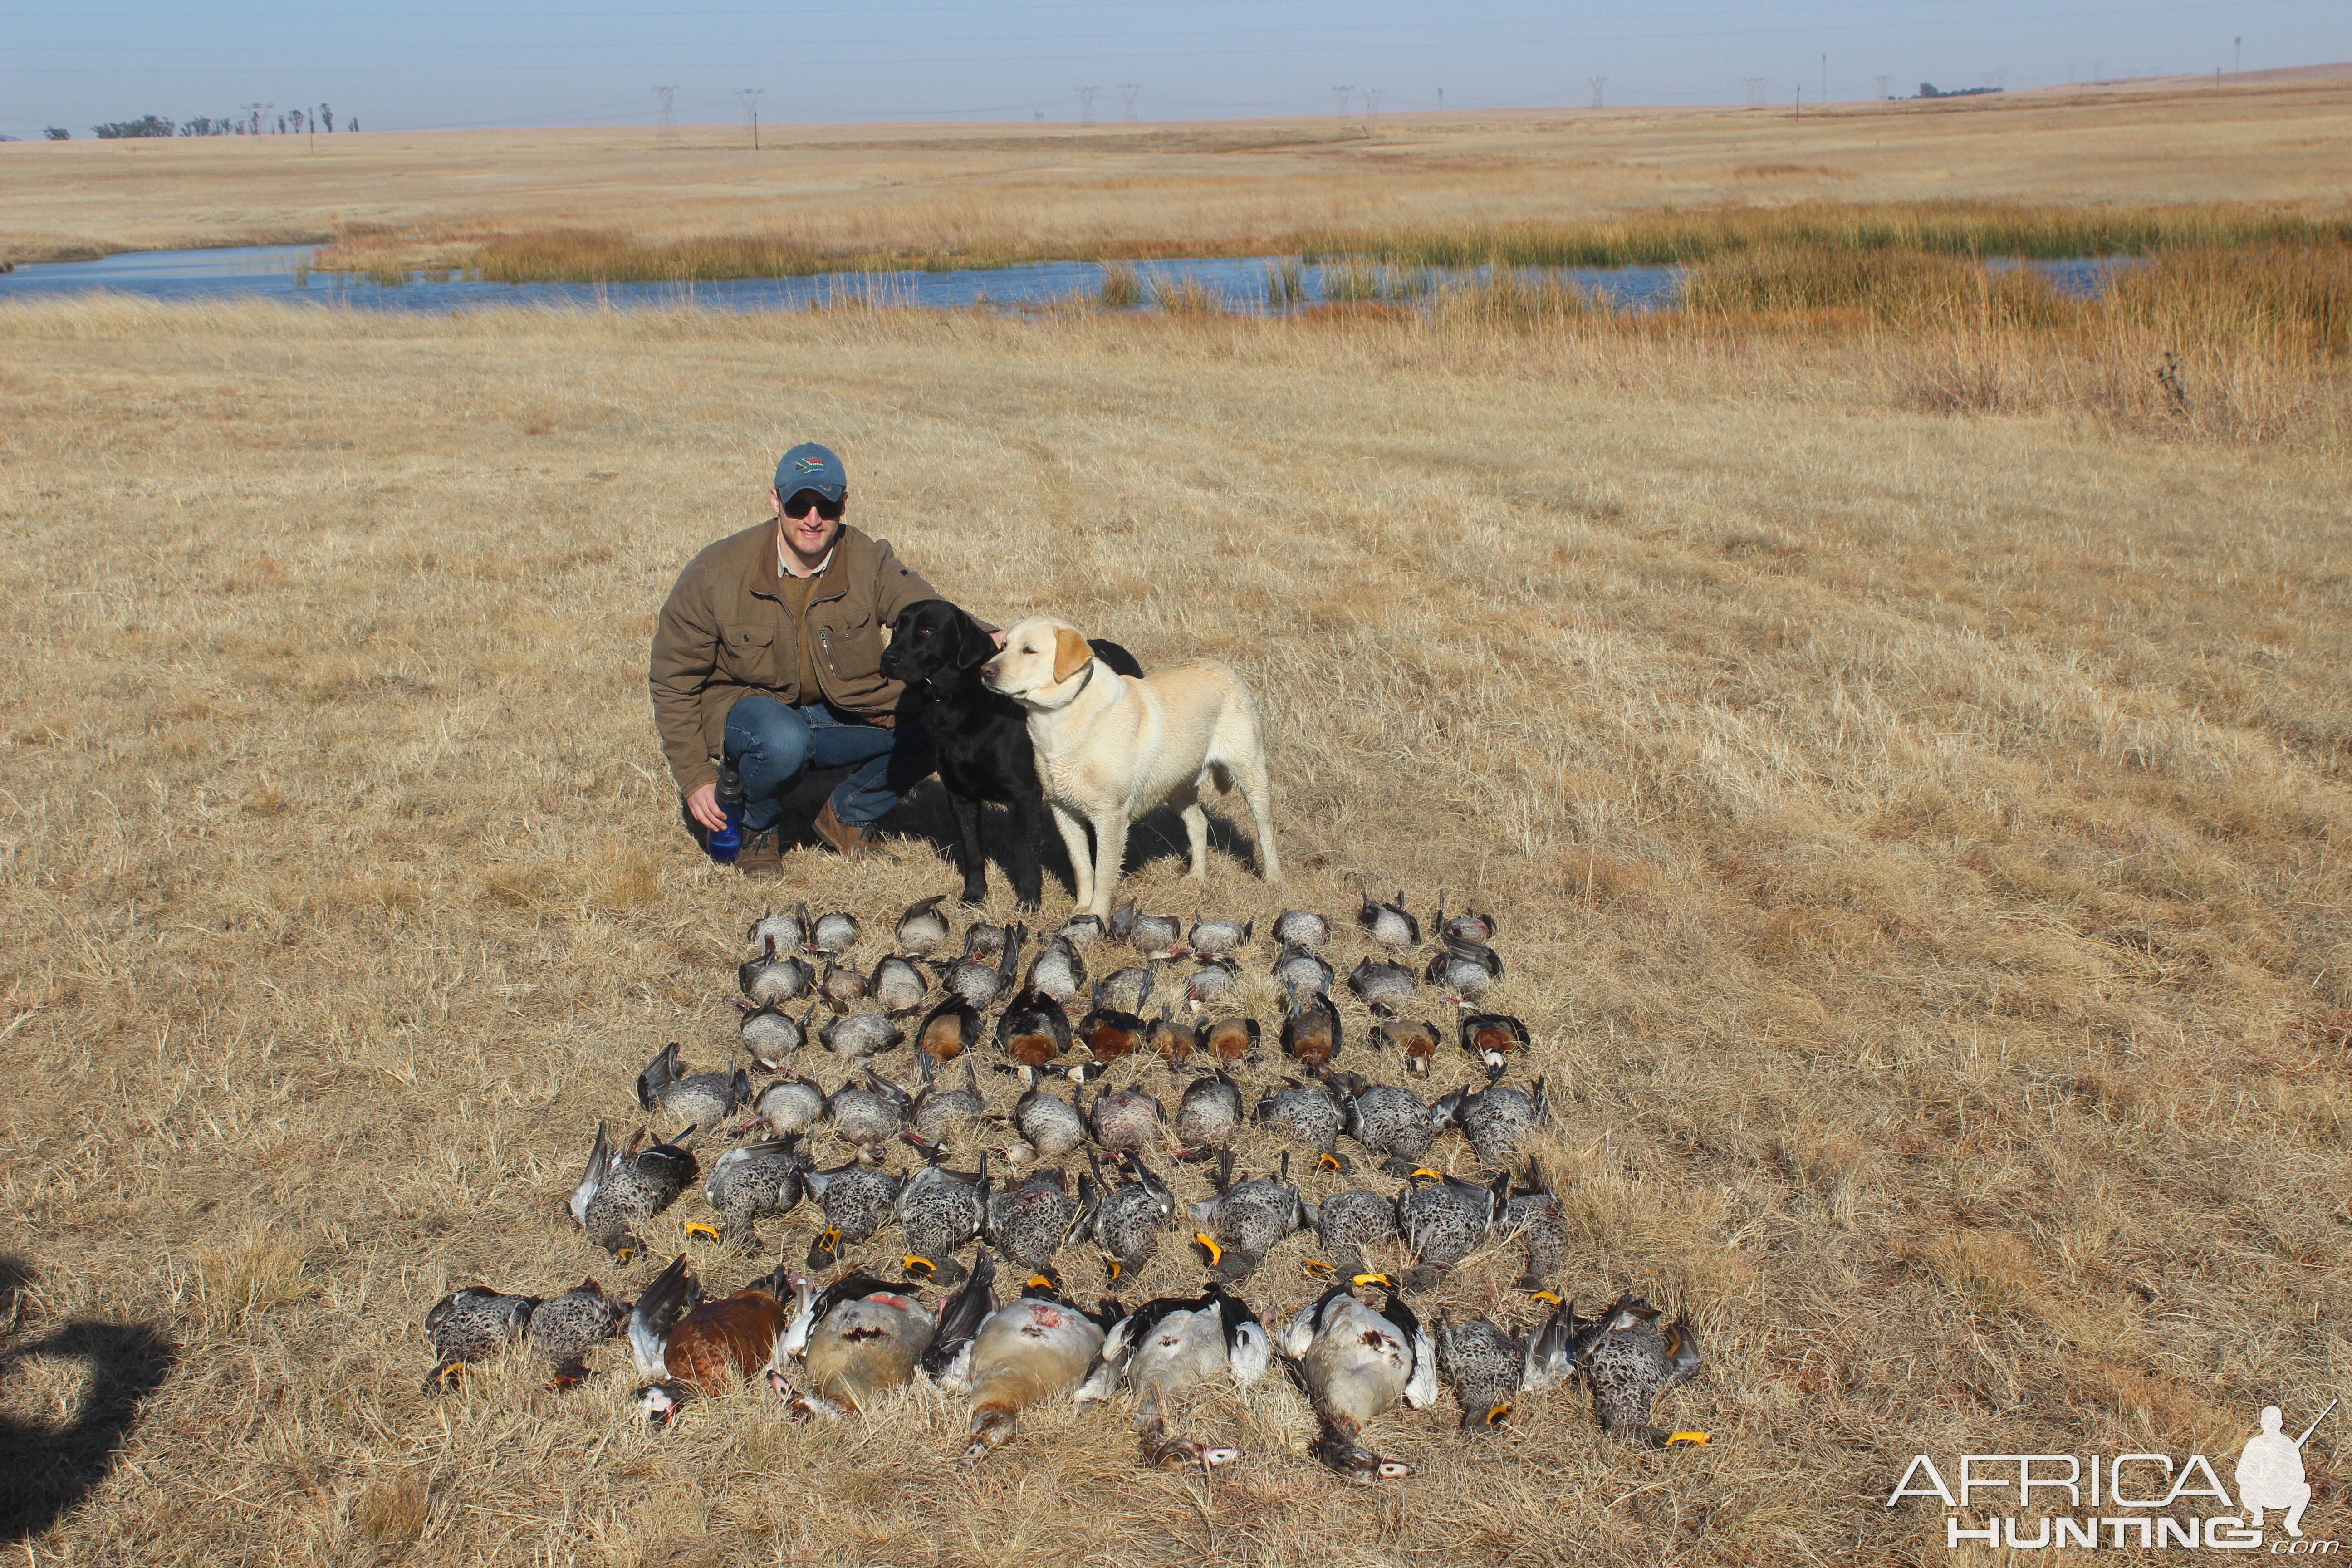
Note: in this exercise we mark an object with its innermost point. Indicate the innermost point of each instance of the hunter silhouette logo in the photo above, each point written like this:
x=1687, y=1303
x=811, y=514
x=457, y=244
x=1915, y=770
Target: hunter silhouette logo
x=2153, y=1502
x=2270, y=1472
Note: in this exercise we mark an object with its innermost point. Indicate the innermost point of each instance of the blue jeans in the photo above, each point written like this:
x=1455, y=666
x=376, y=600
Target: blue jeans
x=771, y=745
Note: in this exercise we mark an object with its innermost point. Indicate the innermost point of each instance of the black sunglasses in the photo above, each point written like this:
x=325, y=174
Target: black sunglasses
x=805, y=502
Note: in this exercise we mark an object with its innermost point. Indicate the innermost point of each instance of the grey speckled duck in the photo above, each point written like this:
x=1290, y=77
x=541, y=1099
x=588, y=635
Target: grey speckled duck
x=1030, y=1222
x=899, y=985
x=1307, y=1114
x=834, y=934
x=842, y=984
x=922, y=928
x=981, y=982
x=1355, y=1363
x=1382, y=986
x=1484, y=1364
x=749, y=1183
x=473, y=1324
x=1126, y=990
x=1302, y=973
x=1469, y=969
x=1496, y=1120
x=1125, y=1119
x=1302, y=928
x=1533, y=1216
x=1153, y=936
x=787, y=932
x=856, y=1199
x=1057, y=971
x=1390, y=925
x=1444, y=1222
x=939, y=1211
x=770, y=1035
x=1212, y=936
x=854, y=1036
x=1246, y=1220
x=940, y=1111
x=565, y=1328
x=869, y=1115
x=788, y=1105
x=1345, y=1224
x=1126, y=1217
x=1207, y=1113
x=702, y=1098
x=1392, y=1123
x=1051, y=1125
x=777, y=975
x=618, y=1192
x=1628, y=1362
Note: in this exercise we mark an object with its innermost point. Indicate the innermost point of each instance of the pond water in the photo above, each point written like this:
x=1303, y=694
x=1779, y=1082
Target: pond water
x=1255, y=283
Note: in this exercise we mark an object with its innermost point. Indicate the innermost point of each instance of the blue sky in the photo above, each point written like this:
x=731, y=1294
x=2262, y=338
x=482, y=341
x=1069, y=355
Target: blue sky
x=440, y=63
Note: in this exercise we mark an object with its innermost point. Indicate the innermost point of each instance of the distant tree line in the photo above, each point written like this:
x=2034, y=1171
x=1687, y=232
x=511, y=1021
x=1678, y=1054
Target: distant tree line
x=1929, y=90
x=294, y=121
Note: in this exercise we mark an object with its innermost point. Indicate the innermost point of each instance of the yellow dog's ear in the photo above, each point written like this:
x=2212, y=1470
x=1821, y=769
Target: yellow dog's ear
x=1070, y=654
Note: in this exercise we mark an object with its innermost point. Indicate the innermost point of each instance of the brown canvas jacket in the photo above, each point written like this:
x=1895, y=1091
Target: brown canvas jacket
x=726, y=633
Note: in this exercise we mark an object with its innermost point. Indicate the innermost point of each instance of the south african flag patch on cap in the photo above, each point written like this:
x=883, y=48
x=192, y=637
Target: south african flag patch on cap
x=808, y=465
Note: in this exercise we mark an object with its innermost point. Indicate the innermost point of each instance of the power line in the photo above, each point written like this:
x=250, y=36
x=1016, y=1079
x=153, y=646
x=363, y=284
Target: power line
x=668, y=97
x=1087, y=104
x=1598, y=83
x=749, y=96
x=1128, y=89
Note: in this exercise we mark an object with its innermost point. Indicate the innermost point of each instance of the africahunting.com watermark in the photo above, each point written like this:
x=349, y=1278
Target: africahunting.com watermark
x=2030, y=1502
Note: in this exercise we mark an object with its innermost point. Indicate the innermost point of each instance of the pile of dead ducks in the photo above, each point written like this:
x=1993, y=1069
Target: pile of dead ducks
x=839, y=1336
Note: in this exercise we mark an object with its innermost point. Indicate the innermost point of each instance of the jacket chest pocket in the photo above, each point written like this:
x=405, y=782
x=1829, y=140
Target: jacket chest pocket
x=849, y=643
x=747, y=655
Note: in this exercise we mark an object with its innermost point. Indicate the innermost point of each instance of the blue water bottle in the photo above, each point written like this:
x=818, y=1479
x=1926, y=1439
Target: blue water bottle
x=727, y=842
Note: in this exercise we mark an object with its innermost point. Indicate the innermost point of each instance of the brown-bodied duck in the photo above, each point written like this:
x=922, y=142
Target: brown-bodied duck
x=1033, y=1030
x=685, y=1344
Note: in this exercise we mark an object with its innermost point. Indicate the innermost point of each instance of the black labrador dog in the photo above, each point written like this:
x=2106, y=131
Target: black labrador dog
x=982, y=739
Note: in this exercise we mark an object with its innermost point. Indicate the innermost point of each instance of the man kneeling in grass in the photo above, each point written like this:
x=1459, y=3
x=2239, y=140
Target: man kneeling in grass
x=767, y=662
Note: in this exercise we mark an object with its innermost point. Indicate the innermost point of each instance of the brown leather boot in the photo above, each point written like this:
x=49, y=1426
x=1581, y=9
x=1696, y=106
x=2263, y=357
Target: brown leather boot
x=760, y=857
x=846, y=840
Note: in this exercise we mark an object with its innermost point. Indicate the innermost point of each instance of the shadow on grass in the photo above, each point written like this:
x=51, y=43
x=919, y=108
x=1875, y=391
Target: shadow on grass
x=47, y=1469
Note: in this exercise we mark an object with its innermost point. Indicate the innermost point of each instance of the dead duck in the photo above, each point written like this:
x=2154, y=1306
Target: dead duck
x=1081, y=931
x=1414, y=1041
x=1311, y=1034
x=1124, y=1218
x=899, y=985
x=1110, y=1032
x=1468, y=926
x=1218, y=977
x=470, y=1325
x=1211, y=938
x=788, y=1106
x=1628, y=1362
x=565, y=1328
x=1245, y=1220
x=1230, y=1039
x=1309, y=1114
x=1057, y=971
x=701, y=1100
x=1207, y=1114
x=1390, y=925
x=834, y=934
x=856, y=1199
x=1034, y=1349
x=1126, y=989
x=787, y=932
x=922, y=928
x=769, y=1036
x=1467, y=969
x=777, y=975
x=1390, y=1122
x=1028, y=1223
x=939, y=1211
x=1050, y=1125
x=1346, y=1222
x=1443, y=1220
x=1301, y=974
x=1355, y=1364
x=618, y=1192
x=749, y=1183
x=859, y=1342
x=948, y=1030
x=1126, y=1120
x=1492, y=1038
x=1302, y=928
x=1153, y=936
x=940, y=1111
x=1033, y=1030
x=867, y=1115
x=684, y=1345
x=981, y=982
x=1496, y=1120
x=1168, y=1348
x=842, y=985
x=1490, y=1369
x=1533, y=1216
x=1169, y=1039
x=983, y=940
x=855, y=1036
x=1382, y=985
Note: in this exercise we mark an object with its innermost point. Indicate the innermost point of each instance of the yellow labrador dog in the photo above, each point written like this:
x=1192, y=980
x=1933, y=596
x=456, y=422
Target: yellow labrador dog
x=1110, y=747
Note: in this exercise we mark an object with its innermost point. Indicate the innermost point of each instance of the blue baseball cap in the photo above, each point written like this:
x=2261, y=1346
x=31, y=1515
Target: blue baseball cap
x=809, y=467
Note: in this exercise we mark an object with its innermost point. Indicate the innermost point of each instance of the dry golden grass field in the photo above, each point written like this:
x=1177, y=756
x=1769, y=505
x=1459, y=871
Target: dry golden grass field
x=1015, y=190
x=1913, y=774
